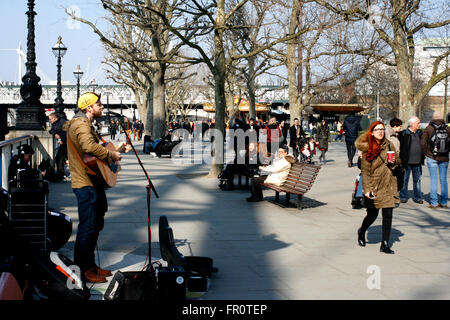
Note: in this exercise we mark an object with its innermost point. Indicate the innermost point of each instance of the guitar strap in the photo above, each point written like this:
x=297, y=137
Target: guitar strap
x=77, y=155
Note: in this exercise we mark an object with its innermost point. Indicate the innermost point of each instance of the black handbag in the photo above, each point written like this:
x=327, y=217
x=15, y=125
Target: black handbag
x=399, y=173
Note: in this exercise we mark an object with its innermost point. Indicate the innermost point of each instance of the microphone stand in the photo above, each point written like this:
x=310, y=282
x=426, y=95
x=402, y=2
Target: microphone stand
x=149, y=187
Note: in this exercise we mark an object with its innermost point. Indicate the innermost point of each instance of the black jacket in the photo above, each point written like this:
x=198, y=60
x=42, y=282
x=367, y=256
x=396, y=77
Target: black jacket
x=404, y=137
x=293, y=136
x=57, y=129
x=351, y=127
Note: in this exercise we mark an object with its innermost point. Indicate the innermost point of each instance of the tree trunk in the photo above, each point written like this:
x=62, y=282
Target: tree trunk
x=251, y=88
x=159, y=105
x=148, y=127
x=294, y=91
x=407, y=108
x=218, y=72
x=219, y=141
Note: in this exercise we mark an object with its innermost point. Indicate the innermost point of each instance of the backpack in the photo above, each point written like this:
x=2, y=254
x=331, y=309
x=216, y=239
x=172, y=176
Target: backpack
x=439, y=140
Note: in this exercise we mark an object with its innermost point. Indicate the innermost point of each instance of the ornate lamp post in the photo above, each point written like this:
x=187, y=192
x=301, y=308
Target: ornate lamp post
x=78, y=75
x=30, y=113
x=59, y=50
x=121, y=99
x=107, y=93
x=93, y=85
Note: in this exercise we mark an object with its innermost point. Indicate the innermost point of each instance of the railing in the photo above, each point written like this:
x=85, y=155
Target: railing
x=8, y=148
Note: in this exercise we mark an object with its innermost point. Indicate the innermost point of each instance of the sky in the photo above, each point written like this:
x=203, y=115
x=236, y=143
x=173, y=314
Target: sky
x=51, y=21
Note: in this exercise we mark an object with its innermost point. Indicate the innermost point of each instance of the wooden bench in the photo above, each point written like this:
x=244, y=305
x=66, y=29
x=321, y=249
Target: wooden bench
x=300, y=179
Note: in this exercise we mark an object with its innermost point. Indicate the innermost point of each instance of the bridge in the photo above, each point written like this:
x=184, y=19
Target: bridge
x=115, y=94
x=119, y=96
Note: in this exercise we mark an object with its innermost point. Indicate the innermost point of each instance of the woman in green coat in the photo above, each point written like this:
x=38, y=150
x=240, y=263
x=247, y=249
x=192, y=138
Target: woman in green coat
x=323, y=136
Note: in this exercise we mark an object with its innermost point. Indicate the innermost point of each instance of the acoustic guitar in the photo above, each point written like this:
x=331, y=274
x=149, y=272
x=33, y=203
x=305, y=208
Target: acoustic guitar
x=105, y=174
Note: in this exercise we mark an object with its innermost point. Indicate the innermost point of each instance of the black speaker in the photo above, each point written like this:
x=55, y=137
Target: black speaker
x=132, y=285
x=171, y=283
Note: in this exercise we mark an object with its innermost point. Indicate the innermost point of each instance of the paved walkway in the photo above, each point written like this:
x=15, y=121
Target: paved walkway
x=265, y=251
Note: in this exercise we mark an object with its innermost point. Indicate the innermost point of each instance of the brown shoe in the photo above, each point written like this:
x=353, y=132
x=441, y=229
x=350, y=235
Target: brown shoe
x=432, y=207
x=103, y=272
x=442, y=206
x=91, y=276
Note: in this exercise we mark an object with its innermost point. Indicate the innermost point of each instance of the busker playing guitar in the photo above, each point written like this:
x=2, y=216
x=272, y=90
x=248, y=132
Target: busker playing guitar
x=82, y=139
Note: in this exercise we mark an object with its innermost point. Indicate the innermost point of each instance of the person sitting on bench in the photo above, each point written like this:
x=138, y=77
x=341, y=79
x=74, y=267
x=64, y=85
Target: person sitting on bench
x=278, y=172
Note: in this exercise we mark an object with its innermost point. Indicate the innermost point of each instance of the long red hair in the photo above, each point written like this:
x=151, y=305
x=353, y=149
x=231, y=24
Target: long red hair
x=374, y=145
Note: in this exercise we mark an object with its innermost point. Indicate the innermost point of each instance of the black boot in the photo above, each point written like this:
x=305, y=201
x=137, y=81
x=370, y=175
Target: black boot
x=361, y=238
x=385, y=248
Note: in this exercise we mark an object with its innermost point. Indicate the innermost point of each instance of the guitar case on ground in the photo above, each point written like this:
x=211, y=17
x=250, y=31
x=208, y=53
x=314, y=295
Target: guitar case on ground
x=198, y=269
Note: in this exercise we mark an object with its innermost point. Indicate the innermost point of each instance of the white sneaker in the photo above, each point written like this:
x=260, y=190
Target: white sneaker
x=153, y=154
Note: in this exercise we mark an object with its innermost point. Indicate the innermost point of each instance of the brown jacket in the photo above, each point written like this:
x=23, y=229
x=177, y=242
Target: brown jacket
x=424, y=141
x=85, y=140
x=377, y=176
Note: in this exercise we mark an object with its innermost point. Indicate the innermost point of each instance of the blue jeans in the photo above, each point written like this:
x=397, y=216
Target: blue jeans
x=92, y=206
x=416, y=171
x=434, y=167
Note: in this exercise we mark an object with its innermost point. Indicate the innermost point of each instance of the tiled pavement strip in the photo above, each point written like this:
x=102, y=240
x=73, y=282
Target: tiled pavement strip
x=266, y=251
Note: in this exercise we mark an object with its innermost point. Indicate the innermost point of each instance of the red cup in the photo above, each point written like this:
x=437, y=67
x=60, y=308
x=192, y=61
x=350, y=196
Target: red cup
x=390, y=156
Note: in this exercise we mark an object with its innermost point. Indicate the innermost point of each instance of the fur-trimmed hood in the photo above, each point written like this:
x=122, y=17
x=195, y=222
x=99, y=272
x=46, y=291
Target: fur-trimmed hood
x=362, y=143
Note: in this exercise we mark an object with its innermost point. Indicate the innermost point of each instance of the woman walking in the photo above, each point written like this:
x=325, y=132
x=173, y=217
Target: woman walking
x=323, y=135
x=379, y=183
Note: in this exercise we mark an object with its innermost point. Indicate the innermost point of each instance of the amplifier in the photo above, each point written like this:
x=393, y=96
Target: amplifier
x=171, y=283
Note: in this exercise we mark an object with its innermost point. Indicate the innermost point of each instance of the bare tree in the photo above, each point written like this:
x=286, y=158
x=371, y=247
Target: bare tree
x=202, y=18
x=399, y=23
x=153, y=64
x=179, y=92
x=315, y=64
x=249, y=32
x=123, y=70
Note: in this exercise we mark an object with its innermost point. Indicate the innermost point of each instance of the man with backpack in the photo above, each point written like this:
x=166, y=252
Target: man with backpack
x=435, y=145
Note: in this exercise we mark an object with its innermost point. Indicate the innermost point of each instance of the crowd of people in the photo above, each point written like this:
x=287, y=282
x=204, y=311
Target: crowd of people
x=134, y=129
x=388, y=156
x=385, y=177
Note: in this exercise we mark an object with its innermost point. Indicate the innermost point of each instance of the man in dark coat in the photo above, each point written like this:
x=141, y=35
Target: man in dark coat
x=60, y=136
x=412, y=158
x=351, y=128
x=296, y=134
